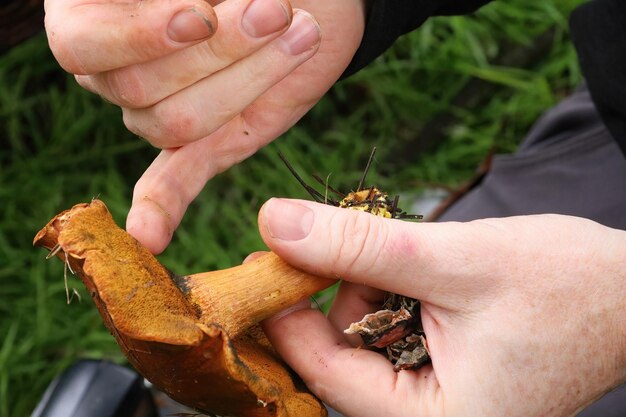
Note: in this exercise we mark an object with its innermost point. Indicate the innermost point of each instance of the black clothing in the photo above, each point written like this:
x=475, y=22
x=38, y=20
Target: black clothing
x=598, y=32
x=387, y=20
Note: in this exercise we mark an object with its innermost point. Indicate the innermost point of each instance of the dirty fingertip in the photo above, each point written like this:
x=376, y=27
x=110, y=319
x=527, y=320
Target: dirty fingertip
x=150, y=227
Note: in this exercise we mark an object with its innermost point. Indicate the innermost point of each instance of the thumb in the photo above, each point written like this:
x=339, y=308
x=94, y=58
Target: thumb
x=428, y=261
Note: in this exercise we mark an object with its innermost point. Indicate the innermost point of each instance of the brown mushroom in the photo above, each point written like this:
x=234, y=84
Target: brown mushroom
x=195, y=337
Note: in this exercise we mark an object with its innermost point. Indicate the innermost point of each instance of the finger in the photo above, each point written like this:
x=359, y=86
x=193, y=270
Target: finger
x=351, y=303
x=199, y=110
x=428, y=261
x=174, y=179
x=254, y=256
x=176, y=176
x=244, y=27
x=91, y=37
x=164, y=191
x=356, y=382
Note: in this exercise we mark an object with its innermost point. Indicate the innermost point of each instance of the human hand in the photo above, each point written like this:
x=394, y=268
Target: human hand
x=524, y=316
x=210, y=95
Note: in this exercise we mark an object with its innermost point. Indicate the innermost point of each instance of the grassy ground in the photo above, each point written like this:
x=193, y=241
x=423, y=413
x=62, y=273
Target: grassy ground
x=61, y=145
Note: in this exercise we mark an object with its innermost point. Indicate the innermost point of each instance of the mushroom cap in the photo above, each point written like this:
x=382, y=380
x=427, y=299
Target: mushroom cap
x=187, y=354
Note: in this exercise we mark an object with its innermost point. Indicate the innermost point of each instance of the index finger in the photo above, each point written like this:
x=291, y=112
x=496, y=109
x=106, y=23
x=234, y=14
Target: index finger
x=91, y=37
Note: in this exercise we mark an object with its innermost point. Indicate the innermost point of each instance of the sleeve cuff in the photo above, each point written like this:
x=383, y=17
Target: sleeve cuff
x=387, y=20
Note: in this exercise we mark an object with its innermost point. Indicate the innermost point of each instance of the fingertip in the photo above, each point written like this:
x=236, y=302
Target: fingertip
x=192, y=25
x=303, y=35
x=263, y=18
x=149, y=226
x=254, y=256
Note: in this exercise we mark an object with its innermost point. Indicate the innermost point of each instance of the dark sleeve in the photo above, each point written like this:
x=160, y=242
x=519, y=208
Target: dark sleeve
x=599, y=35
x=389, y=19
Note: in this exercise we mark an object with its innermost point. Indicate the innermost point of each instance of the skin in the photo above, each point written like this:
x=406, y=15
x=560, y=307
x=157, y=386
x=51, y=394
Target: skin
x=506, y=336
x=524, y=316
x=179, y=95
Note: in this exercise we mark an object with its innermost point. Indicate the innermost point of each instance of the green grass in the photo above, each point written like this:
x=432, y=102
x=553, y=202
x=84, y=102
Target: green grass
x=61, y=146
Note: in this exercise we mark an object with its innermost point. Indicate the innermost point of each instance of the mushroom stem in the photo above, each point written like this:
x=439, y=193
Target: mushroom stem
x=197, y=337
x=247, y=294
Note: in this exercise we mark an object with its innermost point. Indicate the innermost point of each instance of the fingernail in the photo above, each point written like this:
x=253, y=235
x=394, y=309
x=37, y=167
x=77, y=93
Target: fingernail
x=263, y=17
x=287, y=220
x=189, y=25
x=303, y=34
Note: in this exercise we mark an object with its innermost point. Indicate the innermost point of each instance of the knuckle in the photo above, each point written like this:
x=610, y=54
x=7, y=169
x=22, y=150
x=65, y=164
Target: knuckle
x=130, y=121
x=164, y=125
x=355, y=250
x=176, y=123
x=127, y=87
x=61, y=40
x=212, y=55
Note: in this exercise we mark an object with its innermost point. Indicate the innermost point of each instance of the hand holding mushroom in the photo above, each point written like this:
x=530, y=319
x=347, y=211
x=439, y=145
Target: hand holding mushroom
x=524, y=316
x=195, y=337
